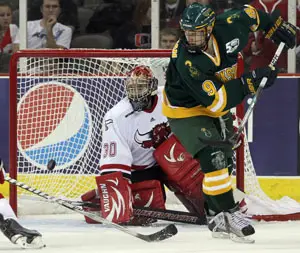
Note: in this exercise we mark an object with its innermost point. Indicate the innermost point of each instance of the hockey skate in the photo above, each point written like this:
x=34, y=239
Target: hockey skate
x=25, y=238
x=232, y=224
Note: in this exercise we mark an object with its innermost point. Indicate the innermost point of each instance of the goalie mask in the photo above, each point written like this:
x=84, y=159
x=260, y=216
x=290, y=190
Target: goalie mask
x=140, y=86
x=197, y=22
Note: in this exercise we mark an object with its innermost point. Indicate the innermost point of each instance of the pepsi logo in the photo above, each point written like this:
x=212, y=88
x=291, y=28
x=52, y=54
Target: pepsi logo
x=54, y=122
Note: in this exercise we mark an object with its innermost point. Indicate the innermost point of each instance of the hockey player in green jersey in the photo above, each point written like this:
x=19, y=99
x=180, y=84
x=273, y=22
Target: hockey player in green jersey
x=202, y=86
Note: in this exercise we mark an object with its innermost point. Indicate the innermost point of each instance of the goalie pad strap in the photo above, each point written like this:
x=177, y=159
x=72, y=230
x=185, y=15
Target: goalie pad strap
x=91, y=196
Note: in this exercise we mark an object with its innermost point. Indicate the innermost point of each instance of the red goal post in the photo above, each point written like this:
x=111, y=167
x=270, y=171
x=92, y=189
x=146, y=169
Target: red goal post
x=57, y=101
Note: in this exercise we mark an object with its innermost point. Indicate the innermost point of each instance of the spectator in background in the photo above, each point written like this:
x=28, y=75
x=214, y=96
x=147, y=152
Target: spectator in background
x=136, y=32
x=47, y=32
x=14, y=4
x=170, y=12
x=68, y=13
x=109, y=16
x=168, y=37
x=9, y=33
x=261, y=50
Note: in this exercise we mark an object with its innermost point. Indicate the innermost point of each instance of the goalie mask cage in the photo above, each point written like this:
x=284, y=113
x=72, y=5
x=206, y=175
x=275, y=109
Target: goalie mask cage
x=57, y=102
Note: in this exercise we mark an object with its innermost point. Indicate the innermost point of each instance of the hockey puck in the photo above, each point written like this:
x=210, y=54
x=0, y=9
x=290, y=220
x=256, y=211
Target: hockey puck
x=51, y=164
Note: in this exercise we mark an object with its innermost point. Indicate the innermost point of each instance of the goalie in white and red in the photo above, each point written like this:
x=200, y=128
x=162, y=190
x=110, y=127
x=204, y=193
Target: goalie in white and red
x=10, y=227
x=140, y=156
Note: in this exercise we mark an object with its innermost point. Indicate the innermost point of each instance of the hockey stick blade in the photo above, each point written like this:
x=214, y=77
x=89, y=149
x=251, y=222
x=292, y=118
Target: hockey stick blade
x=163, y=234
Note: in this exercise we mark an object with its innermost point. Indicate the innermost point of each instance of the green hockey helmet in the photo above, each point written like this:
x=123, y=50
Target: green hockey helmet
x=197, y=22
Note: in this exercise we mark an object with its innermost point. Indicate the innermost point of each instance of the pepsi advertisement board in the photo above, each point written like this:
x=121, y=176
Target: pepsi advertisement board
x=273, y=129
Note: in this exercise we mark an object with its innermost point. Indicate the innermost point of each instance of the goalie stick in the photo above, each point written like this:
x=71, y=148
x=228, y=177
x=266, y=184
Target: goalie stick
x=168, y=215
x=163, y=234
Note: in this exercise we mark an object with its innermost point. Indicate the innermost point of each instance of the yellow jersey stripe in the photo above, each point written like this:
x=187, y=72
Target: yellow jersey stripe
x=217, y=173
x=214, y=192
x=177, y=112
x=254, y=27
x=221, y=182
x=217, y=59
x=216, y=178
x=220, y=101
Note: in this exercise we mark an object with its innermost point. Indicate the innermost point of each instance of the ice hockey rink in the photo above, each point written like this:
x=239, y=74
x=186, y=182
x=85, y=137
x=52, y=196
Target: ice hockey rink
x=69, y=233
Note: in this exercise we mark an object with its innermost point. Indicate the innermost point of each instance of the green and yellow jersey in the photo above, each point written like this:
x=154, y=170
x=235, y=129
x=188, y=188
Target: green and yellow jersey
x=204, y=84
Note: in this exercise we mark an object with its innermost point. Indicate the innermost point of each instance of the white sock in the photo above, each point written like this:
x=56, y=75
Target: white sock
x=6, y=210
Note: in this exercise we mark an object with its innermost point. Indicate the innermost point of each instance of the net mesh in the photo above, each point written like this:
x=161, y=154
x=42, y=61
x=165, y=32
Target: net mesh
x=61, y=104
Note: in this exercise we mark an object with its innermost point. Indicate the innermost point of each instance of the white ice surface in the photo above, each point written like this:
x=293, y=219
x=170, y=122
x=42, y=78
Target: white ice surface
x=70, y=234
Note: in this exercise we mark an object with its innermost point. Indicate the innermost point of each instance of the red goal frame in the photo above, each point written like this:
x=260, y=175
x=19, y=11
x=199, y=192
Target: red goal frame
x=80, y=53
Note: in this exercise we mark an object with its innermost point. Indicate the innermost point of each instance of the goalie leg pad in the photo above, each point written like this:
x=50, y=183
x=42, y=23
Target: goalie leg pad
x=148, y=193
x=115, y=197
x=91, y=196
x=184, y=175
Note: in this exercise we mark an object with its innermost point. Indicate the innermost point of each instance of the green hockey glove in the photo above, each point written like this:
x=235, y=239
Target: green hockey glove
x=252, y=79
x=282, y=31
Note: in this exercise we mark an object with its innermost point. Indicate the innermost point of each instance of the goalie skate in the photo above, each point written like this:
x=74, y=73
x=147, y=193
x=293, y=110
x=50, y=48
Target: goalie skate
x=232, y=224
x=25, y=238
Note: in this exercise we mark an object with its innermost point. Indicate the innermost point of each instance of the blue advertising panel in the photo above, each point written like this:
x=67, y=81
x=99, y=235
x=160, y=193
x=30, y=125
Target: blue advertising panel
x=274, y=148
x=275, y=124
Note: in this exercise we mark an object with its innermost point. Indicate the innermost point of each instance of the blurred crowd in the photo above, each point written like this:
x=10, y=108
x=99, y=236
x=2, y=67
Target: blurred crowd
x=118, y=24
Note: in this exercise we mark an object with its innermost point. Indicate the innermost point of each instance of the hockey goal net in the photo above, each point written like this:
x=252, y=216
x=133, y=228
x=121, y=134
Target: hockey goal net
x=57, y=101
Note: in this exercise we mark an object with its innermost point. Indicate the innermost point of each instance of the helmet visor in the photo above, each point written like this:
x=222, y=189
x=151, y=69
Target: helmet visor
x=198, y=38
x=138, y=88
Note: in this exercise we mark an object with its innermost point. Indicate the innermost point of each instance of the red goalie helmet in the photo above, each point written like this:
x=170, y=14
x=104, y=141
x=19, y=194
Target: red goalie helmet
x=140, y=86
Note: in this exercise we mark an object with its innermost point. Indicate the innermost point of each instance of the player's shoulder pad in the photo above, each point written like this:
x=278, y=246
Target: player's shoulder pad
x=237, y=14
x=228, y=17
x=119, y=110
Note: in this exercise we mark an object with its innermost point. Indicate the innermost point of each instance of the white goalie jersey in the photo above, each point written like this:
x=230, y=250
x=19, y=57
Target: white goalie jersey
x=127, y=143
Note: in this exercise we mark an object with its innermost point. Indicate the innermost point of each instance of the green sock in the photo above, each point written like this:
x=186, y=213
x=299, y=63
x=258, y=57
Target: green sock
x=222, y=202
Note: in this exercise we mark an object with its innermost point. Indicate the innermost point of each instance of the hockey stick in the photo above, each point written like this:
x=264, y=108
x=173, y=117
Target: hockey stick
x=163, y=234
x=234, y=139
x=168, y=215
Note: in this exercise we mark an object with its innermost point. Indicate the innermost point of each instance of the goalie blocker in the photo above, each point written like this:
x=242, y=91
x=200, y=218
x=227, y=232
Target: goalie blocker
x=181, y=174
